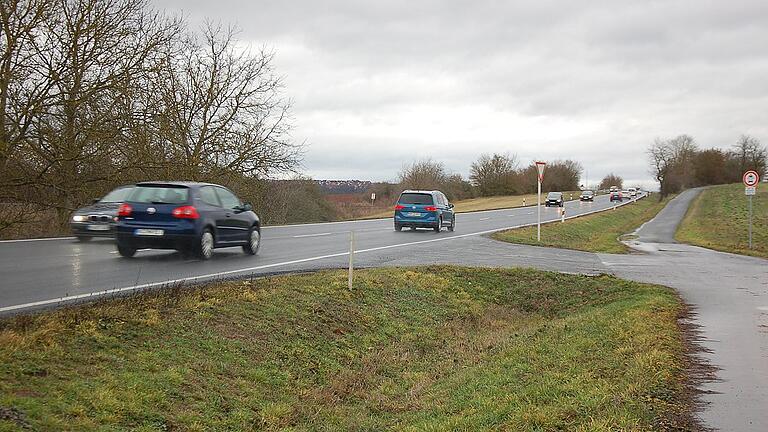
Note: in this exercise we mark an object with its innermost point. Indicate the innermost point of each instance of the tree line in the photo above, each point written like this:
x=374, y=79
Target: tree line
x=96, y=93
x=678, y=163
x=490, y=175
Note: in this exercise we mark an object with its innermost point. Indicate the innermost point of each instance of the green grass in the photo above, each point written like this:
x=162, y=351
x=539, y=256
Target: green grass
x=718, y=219
x=593, y=233
x=439, y=348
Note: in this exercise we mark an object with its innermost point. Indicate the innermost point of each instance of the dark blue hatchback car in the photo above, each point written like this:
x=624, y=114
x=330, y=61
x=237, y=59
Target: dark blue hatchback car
x=424, y=209
x=193, y=218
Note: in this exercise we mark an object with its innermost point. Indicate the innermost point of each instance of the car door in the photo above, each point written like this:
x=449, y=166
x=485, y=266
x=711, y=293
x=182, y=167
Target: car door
x=447, y=209
x=236, y=221
x=215, y=211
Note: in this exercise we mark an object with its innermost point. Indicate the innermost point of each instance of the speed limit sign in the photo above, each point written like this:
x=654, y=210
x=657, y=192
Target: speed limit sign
x=751, y=178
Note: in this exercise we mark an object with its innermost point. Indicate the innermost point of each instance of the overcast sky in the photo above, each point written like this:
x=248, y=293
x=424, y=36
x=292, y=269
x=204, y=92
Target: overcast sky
x=377, y=84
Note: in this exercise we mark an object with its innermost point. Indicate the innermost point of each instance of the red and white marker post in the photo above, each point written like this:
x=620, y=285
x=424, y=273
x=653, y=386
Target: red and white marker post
x=751, y=179
x=540, y=168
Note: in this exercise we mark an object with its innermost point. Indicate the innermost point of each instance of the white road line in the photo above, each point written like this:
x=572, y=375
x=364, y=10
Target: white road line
x=262, y=267
x=36, y=239
x=484, y=219
x=313, y=235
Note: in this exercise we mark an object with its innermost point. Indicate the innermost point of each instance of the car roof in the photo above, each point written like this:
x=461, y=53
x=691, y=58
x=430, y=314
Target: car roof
x=175, y=183
x=419, y=191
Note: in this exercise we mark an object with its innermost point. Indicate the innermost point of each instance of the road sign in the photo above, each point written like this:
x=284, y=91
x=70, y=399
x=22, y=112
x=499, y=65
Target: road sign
x=373, y=196
x=749, y=190
x=751, y=178
x=540, y=168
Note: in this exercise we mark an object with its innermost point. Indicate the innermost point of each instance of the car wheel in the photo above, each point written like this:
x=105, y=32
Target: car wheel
x=398, y=227
x=439, y=226
x=204, y=248
x=453, y=224
x=126, y=251
x=254, y=242
x=84, y=239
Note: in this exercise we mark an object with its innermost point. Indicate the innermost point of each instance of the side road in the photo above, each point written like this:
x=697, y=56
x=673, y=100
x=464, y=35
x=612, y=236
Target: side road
x=729, y=294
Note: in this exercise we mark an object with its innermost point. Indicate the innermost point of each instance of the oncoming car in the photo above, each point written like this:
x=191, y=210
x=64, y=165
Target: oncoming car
x=193, y=218
x=424, y=209
x=616, y=196
x=587, y=195
x=98, y=219
x=554, y=199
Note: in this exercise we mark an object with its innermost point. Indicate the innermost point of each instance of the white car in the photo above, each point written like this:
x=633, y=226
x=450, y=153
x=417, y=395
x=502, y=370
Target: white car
x=632, y=192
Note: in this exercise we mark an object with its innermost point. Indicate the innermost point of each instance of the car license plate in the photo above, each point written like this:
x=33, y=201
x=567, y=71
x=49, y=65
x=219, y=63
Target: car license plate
x=413, y=214
x=149, y=232
x=98, y=227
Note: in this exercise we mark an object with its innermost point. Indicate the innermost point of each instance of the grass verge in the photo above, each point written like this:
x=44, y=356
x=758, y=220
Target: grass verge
x=593, y=233
x=438, y=348
x=718, y=219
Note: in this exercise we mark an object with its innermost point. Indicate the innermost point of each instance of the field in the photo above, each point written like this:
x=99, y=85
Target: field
x=598, y=232
x=718, y=219
x=439, y=348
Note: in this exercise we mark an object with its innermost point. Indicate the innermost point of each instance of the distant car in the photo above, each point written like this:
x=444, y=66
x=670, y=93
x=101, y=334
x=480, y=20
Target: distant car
x=614, y=189
x=632, y=192
x=587, y=195
x=424, y=209
x=193, y=218
x=554, y=199
x=616, y=196
x=98, y=219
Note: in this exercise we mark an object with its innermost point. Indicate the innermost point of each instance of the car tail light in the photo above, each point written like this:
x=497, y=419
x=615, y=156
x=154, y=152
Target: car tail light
x=124, y=210
x=185, y=212
x=430, y=208
x=399, y=207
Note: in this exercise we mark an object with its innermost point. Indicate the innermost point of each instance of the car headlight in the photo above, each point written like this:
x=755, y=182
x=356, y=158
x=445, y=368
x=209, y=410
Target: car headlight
x=79, y=218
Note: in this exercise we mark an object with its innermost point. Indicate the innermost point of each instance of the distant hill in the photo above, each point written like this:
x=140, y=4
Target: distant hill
x=343, y=186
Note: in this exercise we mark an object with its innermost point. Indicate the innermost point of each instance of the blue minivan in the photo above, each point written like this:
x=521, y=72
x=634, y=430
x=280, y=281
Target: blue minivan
x=193, y=218
x=424, y=209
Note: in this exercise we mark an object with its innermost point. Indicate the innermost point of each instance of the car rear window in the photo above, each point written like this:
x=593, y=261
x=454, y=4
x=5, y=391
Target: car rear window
x=159, y=195
x=117, y=195
x=416, y=198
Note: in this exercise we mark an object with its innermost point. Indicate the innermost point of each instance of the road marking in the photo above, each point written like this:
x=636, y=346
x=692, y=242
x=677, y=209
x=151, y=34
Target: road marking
x=266, y=266
x=484, y=219
x=313, y=235
x=37, y=239
x=137, y=250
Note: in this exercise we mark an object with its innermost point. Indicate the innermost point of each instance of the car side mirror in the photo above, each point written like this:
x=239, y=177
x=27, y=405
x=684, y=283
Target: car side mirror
x=246, y=207
x=450, y=205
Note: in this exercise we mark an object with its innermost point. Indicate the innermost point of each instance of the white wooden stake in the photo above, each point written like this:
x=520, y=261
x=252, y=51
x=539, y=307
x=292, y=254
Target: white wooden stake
x=351, y=258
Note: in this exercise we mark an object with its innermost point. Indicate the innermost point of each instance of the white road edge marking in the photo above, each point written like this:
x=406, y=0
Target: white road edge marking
x=36, y=239
x=313, y=235
x=266, y=266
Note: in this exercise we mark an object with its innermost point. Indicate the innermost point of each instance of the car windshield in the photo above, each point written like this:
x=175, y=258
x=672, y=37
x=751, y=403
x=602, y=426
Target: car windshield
x=159, y=195
x=554, y=195
x=117, y=195
x=416, y=198
x=587, y=192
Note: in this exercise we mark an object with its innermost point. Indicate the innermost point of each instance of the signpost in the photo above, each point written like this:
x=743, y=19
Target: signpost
x=373, y=197
x=751, y=178
x=540, y=168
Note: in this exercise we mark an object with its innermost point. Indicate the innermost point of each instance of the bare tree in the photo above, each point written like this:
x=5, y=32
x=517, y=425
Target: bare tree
x=221, y=110
x=611, y=180
x=495, y=175
x=425, y=174
x=750, y=154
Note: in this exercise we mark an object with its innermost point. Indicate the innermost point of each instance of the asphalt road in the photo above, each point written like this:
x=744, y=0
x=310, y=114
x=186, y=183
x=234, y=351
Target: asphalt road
x=42, y=273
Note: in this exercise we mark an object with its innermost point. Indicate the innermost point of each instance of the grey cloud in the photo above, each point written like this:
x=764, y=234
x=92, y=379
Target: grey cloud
x=643, y=69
